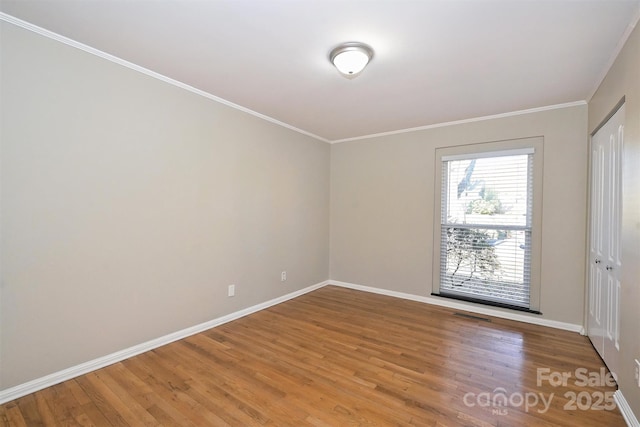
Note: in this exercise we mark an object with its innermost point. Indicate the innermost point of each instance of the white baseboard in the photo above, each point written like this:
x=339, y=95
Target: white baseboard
x=460, y=305
x=92, y=365
x=627, y=413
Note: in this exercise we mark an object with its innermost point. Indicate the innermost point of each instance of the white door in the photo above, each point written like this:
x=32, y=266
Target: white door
x=604, y=252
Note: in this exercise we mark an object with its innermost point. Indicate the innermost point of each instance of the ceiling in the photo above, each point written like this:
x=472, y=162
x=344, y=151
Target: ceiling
x=435, y=61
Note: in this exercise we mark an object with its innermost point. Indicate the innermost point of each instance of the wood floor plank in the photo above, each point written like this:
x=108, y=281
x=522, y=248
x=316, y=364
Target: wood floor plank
x=34, y=410
x=337, y=357
x=100, y=401
x=168, y=395
x=203, y=385
x=123, y=401
x=14, y=416
x=62, y=406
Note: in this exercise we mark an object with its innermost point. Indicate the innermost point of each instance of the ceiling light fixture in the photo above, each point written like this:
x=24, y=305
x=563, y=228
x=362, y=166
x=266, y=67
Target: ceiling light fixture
x=351, y=58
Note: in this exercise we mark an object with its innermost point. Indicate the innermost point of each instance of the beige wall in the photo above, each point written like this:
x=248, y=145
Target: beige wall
x=623, y=79
x=382, y=209
x=129, y=205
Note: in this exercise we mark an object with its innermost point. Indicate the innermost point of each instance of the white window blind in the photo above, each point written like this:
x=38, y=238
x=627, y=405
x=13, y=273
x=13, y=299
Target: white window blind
x=486, y=222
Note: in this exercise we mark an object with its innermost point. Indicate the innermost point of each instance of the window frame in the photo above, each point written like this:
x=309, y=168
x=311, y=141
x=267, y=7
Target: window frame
x=485, y=149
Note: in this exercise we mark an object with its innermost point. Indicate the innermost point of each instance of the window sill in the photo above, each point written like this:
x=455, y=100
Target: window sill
x=489, y=303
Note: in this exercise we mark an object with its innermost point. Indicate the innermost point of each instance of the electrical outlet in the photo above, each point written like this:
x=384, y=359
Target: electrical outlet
x=638, y=371
x=283, y=276
x=232, y=290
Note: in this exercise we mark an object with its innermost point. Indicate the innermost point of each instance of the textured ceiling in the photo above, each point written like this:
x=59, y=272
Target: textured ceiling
x=435, y=61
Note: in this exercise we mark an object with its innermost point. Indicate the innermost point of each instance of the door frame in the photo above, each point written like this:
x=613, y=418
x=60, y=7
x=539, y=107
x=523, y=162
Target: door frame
x=604, y=121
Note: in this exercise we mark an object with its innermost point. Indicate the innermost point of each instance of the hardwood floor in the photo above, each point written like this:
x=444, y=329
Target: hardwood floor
x=338, y=357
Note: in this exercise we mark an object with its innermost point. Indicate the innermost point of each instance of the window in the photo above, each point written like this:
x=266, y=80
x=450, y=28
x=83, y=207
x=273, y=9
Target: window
x=486, y=226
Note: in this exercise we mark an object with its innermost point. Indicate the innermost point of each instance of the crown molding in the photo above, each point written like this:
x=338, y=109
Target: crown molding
x=464, y=121
x=112, y=58
x=614, y=55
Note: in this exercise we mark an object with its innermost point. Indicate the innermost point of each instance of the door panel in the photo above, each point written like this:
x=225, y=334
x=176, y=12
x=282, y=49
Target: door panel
x=604, y=251
x=596, y=322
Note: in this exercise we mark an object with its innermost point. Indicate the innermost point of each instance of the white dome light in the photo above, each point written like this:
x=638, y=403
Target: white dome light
x=351, y=58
